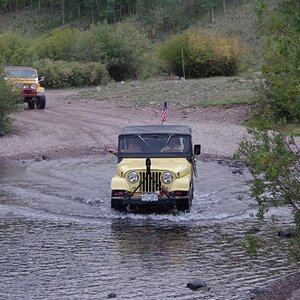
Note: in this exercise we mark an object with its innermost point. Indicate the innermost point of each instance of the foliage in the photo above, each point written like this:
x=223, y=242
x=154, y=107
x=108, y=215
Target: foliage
x=8, y=104
x=57, y=45
x=250, y=244
x=158, y=16
x=66, y=74
x=201, y=54
x=89, y=45
x=120, y=46
x=281, y=57
x=274, y=160
x=127, y=45
x=14, y=49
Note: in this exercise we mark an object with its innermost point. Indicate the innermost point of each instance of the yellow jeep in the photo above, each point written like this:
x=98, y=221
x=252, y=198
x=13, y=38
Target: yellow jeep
x=156, y=165
x=25, y=82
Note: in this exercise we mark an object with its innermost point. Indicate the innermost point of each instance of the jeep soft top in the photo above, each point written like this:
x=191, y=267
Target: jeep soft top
x=153, y=129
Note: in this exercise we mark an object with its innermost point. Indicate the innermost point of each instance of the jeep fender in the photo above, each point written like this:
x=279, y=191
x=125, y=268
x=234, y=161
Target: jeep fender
x=181, y=184
x=118, y=183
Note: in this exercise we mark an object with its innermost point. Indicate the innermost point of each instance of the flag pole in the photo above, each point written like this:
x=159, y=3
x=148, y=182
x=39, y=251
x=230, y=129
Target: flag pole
x=183, y=68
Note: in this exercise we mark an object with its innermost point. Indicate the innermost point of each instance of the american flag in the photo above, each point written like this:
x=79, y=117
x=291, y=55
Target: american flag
x=165, y=112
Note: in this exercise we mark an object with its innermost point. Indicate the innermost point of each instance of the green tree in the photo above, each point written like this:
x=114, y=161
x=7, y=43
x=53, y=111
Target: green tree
x=281, y=68
x=58, y=45
x=15, y=49
x=8, y=104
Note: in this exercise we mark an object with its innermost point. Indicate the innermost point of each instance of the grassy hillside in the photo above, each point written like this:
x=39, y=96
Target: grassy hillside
x=139, y=46
x=236, y=19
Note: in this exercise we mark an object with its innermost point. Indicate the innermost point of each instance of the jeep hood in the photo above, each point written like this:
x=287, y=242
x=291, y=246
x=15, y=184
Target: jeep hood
x=176, y=165
x=27, y=81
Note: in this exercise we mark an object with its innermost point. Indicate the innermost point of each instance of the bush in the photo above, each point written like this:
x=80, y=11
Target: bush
x=15, y=50
x=8, y=104
x=274, y=160
x=60, y=74
x=89, y=46
x=121, y=47
x=204, y=54
x=58, y=45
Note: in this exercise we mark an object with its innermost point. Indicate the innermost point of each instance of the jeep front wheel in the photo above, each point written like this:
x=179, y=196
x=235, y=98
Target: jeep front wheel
x=31, y=103
x=40, y=102
x=184, y=205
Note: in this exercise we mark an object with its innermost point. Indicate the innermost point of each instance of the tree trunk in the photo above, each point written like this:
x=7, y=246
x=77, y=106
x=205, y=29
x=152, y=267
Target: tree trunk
x=63, y=11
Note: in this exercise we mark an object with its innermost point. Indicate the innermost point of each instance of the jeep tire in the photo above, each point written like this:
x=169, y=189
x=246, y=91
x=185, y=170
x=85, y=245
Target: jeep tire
x=40, y=102
x=185, y=204
x=31, y=103
x=116, y=205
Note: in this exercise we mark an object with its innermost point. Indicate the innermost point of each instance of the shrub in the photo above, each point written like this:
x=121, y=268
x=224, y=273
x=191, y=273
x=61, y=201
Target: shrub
x=57, y=45
x=121, y=47
x=204, y=54
x=89, y=74
x=127, y=47
x=89, y=46
x=274, y=160
x=60, y=74
x=15, y=49
x=8, y=104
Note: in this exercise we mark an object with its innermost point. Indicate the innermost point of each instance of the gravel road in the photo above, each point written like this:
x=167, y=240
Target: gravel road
x=72, y=127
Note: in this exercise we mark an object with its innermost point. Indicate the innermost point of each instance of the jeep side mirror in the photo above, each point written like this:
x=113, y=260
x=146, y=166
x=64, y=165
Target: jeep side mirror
x=197, y=149
x=42, y=79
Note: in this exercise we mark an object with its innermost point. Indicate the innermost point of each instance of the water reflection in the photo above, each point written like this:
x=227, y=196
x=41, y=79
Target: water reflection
x=165, y=242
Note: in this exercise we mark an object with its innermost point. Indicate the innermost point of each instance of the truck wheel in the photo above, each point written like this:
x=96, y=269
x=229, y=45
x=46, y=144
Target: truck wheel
x=184, y=205
x=31, y=104
x=117, y=206
x=40, y=102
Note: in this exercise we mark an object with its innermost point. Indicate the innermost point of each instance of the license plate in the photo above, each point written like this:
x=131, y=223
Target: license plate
x=148, y=197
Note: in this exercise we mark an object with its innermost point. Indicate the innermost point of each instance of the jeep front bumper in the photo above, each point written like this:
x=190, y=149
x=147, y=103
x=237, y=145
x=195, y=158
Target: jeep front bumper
x=124, y=198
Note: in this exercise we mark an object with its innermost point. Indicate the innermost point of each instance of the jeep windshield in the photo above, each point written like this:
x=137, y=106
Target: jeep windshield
x=19, y=73
x=155, y=145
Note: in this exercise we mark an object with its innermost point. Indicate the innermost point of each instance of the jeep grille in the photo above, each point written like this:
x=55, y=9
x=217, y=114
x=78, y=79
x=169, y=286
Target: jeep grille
x=150, y=185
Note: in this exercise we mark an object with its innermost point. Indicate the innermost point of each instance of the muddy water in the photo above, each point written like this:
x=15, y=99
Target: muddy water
x=60, y=239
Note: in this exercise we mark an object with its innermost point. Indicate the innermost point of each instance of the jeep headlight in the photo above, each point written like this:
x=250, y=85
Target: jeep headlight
x=133, y=177
x=167, y=178
x=33, y=86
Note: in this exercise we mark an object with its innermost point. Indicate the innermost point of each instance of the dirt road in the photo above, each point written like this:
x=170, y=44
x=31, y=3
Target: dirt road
x=70, y=126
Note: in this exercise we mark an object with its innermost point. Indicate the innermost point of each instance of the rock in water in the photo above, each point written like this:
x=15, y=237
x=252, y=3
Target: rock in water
x=286, y=233
x=197, y=284
x=111, y=295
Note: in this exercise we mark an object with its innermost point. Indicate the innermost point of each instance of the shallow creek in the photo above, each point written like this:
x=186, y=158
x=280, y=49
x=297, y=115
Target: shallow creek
x=60, y=239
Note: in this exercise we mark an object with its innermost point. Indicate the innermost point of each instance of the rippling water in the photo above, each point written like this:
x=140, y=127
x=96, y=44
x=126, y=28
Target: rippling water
x=60, y=239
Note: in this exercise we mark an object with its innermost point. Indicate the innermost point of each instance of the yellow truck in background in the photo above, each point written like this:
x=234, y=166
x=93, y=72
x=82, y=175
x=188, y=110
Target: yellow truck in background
x=25, y=82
